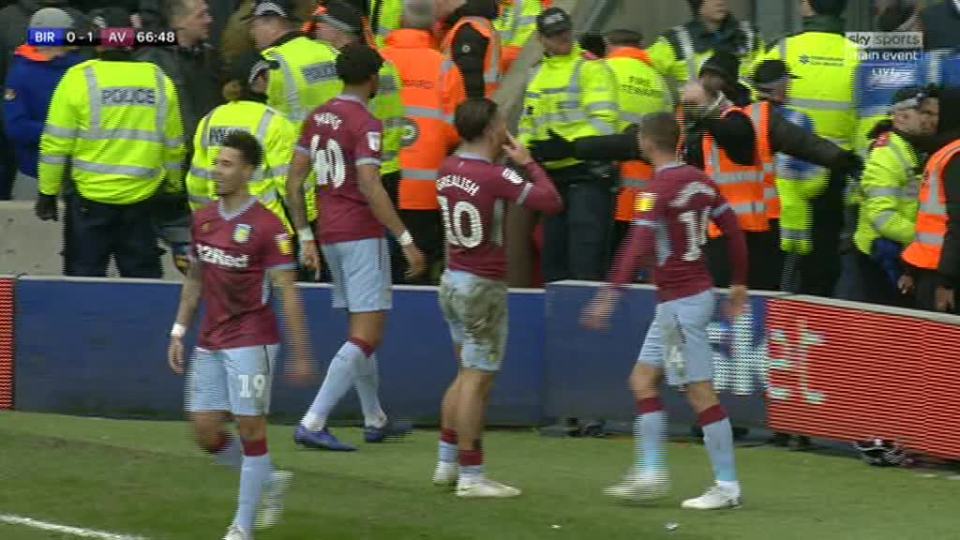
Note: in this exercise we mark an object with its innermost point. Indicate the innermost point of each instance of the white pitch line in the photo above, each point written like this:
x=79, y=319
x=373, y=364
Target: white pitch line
x=64, y=529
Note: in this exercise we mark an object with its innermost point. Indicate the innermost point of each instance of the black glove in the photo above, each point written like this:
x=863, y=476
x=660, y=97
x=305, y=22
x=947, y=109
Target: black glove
x=553, y=149
x=851, y=164
x=46, y=207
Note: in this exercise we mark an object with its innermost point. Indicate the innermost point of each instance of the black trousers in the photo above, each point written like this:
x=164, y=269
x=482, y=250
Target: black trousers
x=926, y=282
x=875, y=285
x=764, y=258
x=577, y=242
x=820, y=270
x=98, y=231
x=426, y=227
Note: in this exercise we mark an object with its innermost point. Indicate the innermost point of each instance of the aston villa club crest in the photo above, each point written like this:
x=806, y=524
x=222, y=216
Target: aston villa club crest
x=241, y=234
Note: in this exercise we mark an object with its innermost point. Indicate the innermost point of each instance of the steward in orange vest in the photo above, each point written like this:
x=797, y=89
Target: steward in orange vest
x=933, y=259
x=473, y=45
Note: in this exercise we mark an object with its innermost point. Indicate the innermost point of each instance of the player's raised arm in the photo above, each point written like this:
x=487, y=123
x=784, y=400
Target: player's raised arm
x=540, y=194
x=725, y=218
x=189, y=302
x=295, y=321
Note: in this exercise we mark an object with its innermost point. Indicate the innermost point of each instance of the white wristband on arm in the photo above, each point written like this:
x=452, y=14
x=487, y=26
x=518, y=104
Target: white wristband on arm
x=305, y=235
x=405, y=239
x=178, y=330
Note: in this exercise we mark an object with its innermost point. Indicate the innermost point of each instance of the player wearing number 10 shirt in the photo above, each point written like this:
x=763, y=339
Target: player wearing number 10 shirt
x=473, y=192
x=670, y=225
x=341, y=141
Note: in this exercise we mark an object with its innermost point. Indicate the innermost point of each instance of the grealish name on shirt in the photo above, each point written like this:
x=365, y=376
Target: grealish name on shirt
x=217, y=256
x=458, y=181
x=329, y=119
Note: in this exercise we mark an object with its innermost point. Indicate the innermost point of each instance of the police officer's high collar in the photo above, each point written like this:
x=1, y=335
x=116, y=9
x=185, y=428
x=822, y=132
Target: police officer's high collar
x=830, y=24
x=289, y=36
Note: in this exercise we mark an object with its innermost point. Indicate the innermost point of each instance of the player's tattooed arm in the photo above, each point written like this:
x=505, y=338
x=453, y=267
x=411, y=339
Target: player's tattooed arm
x=297, y=205
x=295, y=321
x=189, y=302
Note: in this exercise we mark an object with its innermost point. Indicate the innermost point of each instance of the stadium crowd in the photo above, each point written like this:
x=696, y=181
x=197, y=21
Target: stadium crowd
x=838, y=162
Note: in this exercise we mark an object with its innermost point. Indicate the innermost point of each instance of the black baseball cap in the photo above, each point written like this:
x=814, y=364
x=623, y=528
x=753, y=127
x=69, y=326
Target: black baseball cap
x=273, y=8
x=771, y=72
x=554, y=21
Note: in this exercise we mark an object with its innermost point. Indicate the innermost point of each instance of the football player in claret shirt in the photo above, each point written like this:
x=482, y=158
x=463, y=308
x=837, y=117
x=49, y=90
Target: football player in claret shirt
x=239, y=249
x=341, y=140
x=473, y=192
x=670, y=227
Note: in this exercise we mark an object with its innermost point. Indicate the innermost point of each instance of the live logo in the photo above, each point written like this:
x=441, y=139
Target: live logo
x=117, y=37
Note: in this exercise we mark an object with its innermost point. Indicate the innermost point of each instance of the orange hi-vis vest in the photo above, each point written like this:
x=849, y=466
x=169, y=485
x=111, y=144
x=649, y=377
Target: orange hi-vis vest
x=743, y=185
x=634, y=175
x=428, y=134
x=924, y=251
x=492, y=62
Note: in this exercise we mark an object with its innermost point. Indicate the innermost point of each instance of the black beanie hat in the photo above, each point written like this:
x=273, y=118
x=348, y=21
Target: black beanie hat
x=695, y=6
x=829, y=7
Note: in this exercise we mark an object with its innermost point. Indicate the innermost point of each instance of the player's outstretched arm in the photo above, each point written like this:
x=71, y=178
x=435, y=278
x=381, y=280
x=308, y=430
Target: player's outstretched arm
x=189, y=302
x=368, y=179
x=296, y=204
x=295, y=322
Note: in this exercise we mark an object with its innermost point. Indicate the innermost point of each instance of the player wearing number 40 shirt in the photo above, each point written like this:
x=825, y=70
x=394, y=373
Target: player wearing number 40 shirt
x=341, y=141
x=237, y=246
x=473, y=192
x=670, y=226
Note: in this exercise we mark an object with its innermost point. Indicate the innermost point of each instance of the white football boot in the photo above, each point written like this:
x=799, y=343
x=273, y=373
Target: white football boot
x=236, y=533
x=641, y=486
x=481, y=487
x=446, y=474
x=271, y=501
x=715, y=498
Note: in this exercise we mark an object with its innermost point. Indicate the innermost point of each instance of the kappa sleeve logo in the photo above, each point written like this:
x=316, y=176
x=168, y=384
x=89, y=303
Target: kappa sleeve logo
x=512, y=176
x=10, y=94
x=644, y=202
x=284, y=244
x=373, y=141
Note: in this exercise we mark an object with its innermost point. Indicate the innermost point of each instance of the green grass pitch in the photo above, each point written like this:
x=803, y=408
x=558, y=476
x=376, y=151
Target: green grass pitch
x=147, y=479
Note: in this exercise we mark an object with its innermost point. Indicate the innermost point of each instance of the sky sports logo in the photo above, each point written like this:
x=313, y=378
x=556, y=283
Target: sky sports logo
x=887, y=46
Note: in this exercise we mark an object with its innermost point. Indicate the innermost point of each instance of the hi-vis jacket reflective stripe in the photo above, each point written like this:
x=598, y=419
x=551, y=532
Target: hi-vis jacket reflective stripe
x=572, y=96
x=276, y=134
x=798, y=183
x=118, y=125
x=493, y=59
x=387, y=16
x=926, y=248
x=305, y=77
x=516, y=23
x=387, y=106
x=428, y=135
x=640, y=91
x=890, y=185
x=743, y=185
x=826, y=65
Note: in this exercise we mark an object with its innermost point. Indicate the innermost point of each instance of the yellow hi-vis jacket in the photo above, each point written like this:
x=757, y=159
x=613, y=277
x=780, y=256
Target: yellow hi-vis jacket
x=275, y=133
x=572, y=96
x=890, y=186
x=118, y=125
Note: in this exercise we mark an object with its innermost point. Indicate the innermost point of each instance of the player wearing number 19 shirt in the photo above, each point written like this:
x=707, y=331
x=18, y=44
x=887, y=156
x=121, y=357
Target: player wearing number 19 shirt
x=670, y=227
x=473, y=192
x=341, y=141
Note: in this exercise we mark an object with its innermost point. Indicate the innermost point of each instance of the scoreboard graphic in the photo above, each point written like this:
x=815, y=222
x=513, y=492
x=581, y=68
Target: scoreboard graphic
x=106, y=37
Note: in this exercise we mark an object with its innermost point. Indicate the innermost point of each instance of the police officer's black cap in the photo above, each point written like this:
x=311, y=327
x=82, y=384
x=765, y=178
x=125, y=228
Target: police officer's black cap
x=274, y=8
x=342, y=16
x=911, y=97
x=110, y=17
x=724, y=64
x=771, y=72
x=554, y=21
x=246, y=67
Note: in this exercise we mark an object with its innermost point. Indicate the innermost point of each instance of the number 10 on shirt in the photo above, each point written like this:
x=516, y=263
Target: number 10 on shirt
x=462, y=223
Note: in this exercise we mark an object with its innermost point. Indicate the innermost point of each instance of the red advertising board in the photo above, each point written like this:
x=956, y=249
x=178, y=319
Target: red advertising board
x=843, y=373
x=7, y=287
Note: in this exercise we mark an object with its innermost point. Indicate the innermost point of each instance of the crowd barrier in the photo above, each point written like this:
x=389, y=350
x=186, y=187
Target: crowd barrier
x=831, y=369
